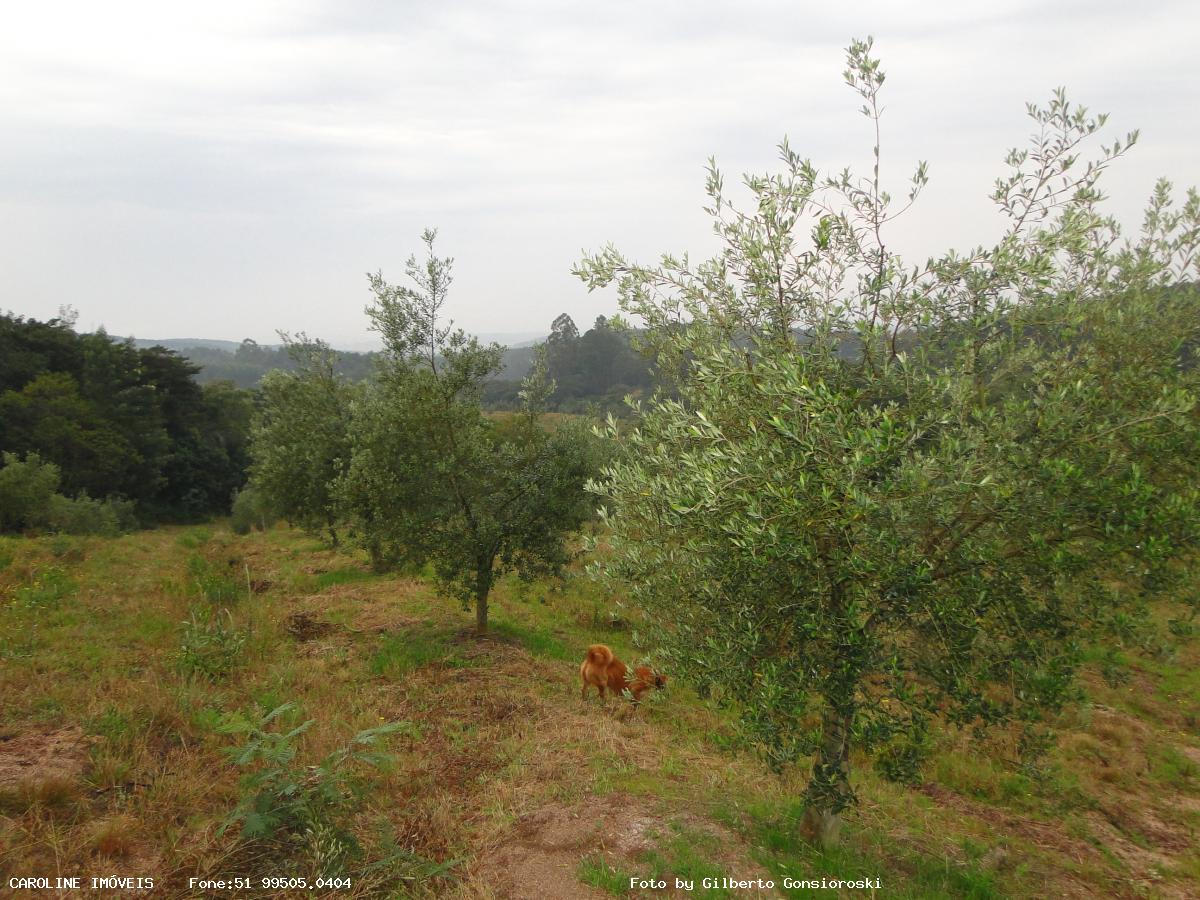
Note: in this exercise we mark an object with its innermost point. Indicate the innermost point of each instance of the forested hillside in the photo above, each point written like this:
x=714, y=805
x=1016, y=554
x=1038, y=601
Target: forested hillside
x=115, y=421
x=246, y=363
x=596, y=368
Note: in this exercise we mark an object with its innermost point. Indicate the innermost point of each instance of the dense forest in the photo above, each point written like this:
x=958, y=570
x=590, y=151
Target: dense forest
x=117, y=421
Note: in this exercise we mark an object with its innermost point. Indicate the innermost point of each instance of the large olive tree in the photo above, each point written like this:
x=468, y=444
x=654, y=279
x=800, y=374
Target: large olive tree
x=880, y=490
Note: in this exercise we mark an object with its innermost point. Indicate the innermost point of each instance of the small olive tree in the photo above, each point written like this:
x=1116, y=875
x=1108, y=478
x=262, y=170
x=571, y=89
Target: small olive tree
x=433, y=480
x=881, y=493
x=300, y=441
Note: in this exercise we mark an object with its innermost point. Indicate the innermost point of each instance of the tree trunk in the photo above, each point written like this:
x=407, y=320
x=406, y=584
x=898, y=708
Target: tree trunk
x=829, y=790
x=333, y=535
x=483, y=587
x=375, y=552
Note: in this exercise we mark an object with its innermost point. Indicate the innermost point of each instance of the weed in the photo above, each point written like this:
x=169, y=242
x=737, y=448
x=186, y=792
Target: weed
x=1175, y=769
x=216, y=586
x=398, y=866
x=12, y=649
x=784, y=852
x=111, y=725
x=301, y=808
x=210, y=645
x=193, y=539
x=610, y=768
x=66, y=548
x=688, y=855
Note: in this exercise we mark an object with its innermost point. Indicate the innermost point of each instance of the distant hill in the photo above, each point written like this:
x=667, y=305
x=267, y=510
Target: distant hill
x=245, y=363
x=596, y=368
x=181, y=344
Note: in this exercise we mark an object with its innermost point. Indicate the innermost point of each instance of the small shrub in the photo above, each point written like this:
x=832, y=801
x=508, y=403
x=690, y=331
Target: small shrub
x=903, y=758
x=83, y=515
x=66, y=548
x=26, y=486
x=301, y=808
x=29, y=501
x=210, y=645
x=1114, y=667
x=250, y=510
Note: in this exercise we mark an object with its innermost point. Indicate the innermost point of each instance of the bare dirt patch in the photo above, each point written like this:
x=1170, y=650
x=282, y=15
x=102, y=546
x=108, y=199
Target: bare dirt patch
x=540, y=855
x=303, y=627
x=35, y=758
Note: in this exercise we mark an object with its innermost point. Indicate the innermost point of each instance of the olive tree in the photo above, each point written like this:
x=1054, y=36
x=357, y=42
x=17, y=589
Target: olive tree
x=300, y=440
x=433, y=480
x=881, y=494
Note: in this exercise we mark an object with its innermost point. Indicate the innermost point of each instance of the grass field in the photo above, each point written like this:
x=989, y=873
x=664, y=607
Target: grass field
x=122, y=685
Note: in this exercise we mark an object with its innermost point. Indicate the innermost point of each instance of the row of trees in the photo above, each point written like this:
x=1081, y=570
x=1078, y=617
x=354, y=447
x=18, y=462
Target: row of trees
x=852, y=547
x=408, y=465
x=118, y=421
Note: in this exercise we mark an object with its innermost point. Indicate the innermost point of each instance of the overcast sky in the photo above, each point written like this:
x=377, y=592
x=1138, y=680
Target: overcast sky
x=223, y=170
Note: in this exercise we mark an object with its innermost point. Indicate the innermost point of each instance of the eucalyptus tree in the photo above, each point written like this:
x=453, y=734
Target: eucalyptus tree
x=435, y=481
x=300, y=438
x=883, y=494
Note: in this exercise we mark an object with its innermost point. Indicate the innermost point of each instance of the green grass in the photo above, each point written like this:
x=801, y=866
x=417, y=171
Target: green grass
x=1172, y=768
x=539, y=641
x=194, y=538
x=90, y=631
x=594, y=870
x=347, y=575
x=399, y=654
x=690, y=855
x=902, y=872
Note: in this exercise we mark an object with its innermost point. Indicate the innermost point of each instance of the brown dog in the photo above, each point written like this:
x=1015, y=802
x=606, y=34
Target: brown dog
x=601, y=669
